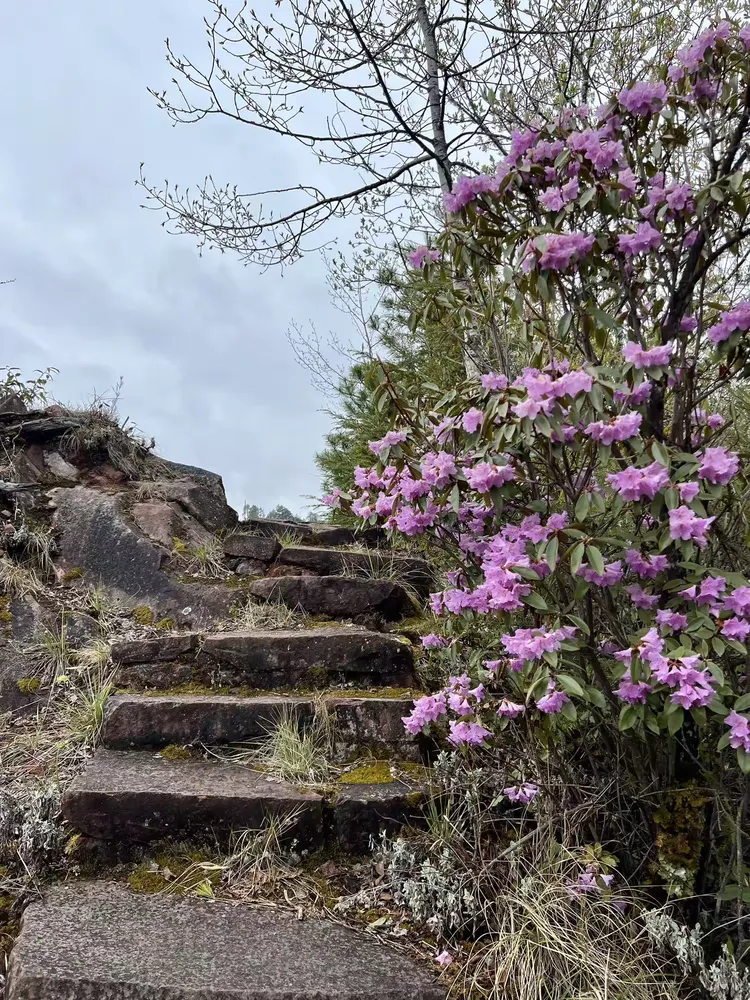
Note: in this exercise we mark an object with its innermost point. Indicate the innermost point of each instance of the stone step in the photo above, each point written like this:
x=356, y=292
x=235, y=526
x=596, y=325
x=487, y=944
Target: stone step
x=409, y=570
x=135, y=721
x=139, y=796
x=102, y=942
x=266, y=660
x=314, y=533
x=337, y=596
x=136, y=797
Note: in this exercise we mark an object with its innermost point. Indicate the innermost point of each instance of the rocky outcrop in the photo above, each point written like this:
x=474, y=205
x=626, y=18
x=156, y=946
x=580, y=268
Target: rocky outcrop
x=336, y=596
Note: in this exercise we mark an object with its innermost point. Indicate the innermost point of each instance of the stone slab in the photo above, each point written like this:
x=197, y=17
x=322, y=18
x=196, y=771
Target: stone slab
x=101, y=942
x=334, y=562
x=160, y=649
x=138, y=796
x=336, y=596
x=135, y=721
x=262, y=548
x=363, y=812
x=316, y=657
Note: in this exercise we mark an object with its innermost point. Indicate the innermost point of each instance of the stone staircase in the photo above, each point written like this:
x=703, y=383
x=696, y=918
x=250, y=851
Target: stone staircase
x=193, y=690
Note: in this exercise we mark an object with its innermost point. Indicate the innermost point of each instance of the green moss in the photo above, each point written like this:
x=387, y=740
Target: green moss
x=147, y=882
x=6, y=617
x=378, y=772
x=74, y=574
x=28, y=685
x=173, y=871
x=317, y=677
x=175, y=752
x=143, y=614
x=165, y=625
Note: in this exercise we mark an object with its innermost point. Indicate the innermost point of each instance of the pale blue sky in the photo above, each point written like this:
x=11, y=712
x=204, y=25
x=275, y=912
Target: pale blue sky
x=101, y=290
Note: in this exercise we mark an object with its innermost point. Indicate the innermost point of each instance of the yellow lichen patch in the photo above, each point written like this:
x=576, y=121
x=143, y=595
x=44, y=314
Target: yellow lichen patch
x=175, y=752
x=28, y=685
x=74, y=574
x=165, y=624
x=143, y=614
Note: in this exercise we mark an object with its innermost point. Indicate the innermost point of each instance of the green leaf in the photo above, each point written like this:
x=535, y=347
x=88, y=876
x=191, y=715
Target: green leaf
x=723, y=742
x=660, y=453
x=570, y=685
x=718, y=645
x=579, y=623
x=569, y=711
x=743, y=759
x=675, y=721
x=535, y=601
x=595, y=696
x=576, y=557
x=582, y=507
x=628, y=717
x=455, y=498
x=742, y=703
x=595, y=559
x=551, y=553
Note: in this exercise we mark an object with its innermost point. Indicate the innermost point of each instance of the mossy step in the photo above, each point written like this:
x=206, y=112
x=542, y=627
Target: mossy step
x=314, y=533
x=337, y=596
x=266, y=660
x=134, y=720
x=103, y=942
x=134, y=797
x=409, y=570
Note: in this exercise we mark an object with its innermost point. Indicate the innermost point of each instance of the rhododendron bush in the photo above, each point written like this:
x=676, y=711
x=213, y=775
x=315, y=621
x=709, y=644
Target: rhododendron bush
x=589, y=500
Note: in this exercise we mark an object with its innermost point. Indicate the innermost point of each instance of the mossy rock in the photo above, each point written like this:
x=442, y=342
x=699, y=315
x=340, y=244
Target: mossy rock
x=378, y=772
x=174, y=871
x=165, y=625
x=175, y=752
x=74, y=574
x=28, y=685
x=143, y=614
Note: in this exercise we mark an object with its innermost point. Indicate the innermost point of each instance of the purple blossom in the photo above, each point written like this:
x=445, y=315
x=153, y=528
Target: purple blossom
x=685, y=525
x=633, y=692
x=510, y=709
x=612, y=574
x=628, y=184
x=617, y=429
x=636, y=483
x=641, y=358
x=422, y=255
x=434, y=641
x=532, y=643
x=467, y=732
x=486, y=476
x=735, y=628
x=472, y=420
x=468, y=188
x=552, y=702
x=438, y=469
x=645, y=238
x=718, y=465
x=523, y=793
x=647, y=567
x=744, y=35
x=598, y=148
x=729, y=322
x=641, y=598
x=695, y=688
x=711, y=589
x=564, y=249
x=738, y=601
x=739, y=734
x=494, y=382
x=688, y=491
x=444, y=958
x=644, y=98
x=388, y=441
x=693, y=55
x=671, y=619
x=426, y=709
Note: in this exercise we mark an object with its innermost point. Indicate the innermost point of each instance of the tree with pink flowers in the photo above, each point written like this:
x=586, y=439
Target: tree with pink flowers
x=588, y=503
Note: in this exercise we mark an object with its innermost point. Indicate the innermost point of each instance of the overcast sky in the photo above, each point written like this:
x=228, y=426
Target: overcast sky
x=102, y=291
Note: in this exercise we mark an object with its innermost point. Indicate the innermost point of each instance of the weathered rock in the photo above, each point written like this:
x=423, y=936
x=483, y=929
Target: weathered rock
x=163, y=522
x=310, y=657
x=59, y=468
x=333, y=562
x=363, y=812
x=275, y=529
x=206, y=502
x=12, y=404
x=182, y=471
x=95, y=536
x=15, y=667
x=141, y=797
x=160, y=649
x=132, y=721
x=246, y=546
x=336, y=596
x=250, y=567
x=314, y=533
x=98, y=941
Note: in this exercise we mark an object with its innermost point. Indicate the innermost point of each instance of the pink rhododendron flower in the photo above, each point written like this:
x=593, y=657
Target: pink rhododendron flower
x=647, y=567
x=333, y=499
x=444, y=958
x=494, y=382
x=486, y=476
x=438, y=469
x=639, y=358
x=633, y=692
x=688, y=491
x=466, y=189
x=729, y=322
x=645, y=238
x=684, y=524
x=552, y=701
x=735, y=628
x=388, y=441
x=564, y=249
x=422, y=255
x=510, y=709
x=434, y=641
x=523, y=794
x=644, y=98
x=738, y=601
x=671, y=619
x=467, y=732
x=695, y=688
x=744, y=35
x=718, y=465
x=739, y=736
x=612, y=574
x=628, y=184
x=617, y=429
x=532, y=643
x=426, y=709
x=641, y=598
x=711, y=588
x=472, y=420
